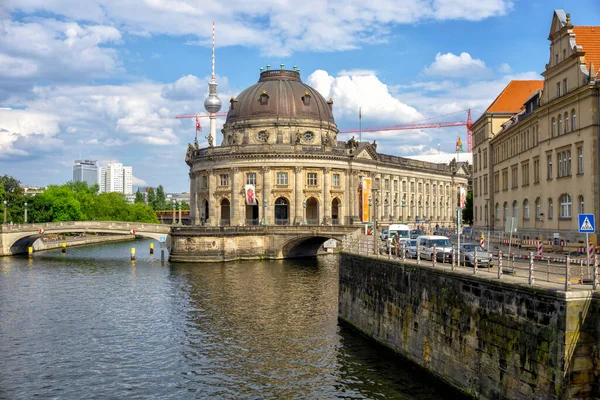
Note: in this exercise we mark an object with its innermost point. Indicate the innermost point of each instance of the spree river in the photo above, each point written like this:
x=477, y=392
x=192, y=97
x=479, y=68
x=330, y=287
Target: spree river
x=91, y=324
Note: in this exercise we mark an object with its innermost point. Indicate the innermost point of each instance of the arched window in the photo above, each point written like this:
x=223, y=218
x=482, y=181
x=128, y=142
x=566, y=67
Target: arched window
x=515, y=210
x=560, y=122
x=573, y=120
x=526, y=209
x=566, y=123
x=505, y=210
x=553, y=131
x=565, y=206
x=497, y=212
x=550, y=209
x=538, y=209
x=581, y=205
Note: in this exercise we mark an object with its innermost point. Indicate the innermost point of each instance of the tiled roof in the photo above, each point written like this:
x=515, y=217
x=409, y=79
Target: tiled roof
x=588, y=37
x=514, y=95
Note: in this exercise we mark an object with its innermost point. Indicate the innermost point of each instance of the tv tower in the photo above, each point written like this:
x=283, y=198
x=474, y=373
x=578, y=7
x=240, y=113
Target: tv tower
x=212, y=104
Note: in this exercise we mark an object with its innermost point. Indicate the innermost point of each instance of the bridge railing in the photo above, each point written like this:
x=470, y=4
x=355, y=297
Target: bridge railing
x=562, y=274
x=107, y=225
x=289, y=229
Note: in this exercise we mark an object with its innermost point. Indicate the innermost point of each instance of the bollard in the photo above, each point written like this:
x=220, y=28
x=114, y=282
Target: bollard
x=453, y=258
x=403, y=251
x=30, y=251
x=548, y=270
x=500, y=265
x=568, y=274
x=64, y=247
x=595, y=280
x=162, y=254
x=475, y=261
x=418, y=254
x=434, y=256
x=531, y=277
x=133, y=253
x=389, y=252
x=151, y=248
x=512, y=265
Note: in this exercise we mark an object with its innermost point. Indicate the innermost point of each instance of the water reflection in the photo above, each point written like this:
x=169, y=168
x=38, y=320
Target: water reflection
x=90, y=324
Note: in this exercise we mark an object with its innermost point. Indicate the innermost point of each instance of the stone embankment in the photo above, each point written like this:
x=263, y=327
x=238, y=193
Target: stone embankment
x=50, y=243
x=491, y=338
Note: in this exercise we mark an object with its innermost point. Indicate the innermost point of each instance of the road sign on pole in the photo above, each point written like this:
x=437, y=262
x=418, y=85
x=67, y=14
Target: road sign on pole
x=587, y=223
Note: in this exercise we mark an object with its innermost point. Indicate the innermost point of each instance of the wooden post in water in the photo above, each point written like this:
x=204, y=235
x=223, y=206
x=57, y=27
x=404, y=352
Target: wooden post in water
x=29, y=251
x=133, y=254
x=64, y=247
x=151, y=248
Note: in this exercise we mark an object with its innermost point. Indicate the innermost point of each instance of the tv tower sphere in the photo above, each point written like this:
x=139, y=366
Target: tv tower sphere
x=212, y=104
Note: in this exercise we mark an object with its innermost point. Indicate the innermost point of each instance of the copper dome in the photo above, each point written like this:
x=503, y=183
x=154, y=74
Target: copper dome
x=279, y=94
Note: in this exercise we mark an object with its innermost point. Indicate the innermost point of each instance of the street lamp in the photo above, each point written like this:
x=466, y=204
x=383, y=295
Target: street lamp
x=25, y=216
x=5, y=203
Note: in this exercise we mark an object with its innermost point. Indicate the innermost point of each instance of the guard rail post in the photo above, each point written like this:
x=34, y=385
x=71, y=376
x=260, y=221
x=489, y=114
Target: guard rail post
x=595, y=280
x=418, y=254
x=453, y=258
x=500, y=264
x=531, y=272
x=434, y=256
x=475, y=261
x=403, y=251
x=568, y=274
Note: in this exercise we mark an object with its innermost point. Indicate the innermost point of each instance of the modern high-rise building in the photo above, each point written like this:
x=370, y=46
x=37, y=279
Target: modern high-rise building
x=85, y=171
x=115, y=178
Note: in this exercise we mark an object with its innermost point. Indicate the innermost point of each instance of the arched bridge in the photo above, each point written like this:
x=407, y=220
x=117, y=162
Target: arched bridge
x=209, y=244
x=15, y=239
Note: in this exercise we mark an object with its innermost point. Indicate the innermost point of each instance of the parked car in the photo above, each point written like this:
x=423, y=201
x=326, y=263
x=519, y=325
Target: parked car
x=467, y=232
x=384, y=234
x=415, y=233
x=410, y=247
x=467, y=255
x=441, y=243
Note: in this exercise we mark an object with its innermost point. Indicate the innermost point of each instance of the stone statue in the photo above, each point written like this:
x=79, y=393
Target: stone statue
x=298, y=137
x=453, y=165
x=266, y=137
x=374, y=145
x=210, y=140
x=351, y=144
x=189, y=153
x=326, y=140
x=196, y=146
x=234, y=138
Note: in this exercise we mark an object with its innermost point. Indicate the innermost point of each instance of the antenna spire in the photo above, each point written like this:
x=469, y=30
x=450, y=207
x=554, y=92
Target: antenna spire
x=213, y=52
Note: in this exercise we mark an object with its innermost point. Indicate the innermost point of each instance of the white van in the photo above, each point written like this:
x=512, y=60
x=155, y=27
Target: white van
x=402, y=230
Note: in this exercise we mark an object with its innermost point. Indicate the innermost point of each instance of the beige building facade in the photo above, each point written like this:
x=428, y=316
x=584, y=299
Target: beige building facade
x=279, y=162
x=536, y=147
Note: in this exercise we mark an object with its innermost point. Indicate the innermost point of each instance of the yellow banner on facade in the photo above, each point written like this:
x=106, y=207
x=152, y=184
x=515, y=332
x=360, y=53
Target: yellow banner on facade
x=366, y=193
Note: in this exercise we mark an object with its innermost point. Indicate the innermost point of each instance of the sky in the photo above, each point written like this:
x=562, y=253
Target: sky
x=104, y=79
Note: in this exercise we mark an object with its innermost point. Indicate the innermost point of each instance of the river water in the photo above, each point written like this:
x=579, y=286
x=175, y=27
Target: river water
x=91, y=324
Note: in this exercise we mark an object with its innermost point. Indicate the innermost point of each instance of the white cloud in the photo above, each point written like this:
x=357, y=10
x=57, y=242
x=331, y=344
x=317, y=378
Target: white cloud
x=276, y=27
x=137, y=181
x=505, y=68
x=462, y=66
x=365, y=91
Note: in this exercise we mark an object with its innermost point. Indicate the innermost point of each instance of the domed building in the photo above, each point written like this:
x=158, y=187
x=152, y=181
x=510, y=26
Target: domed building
x=279, y=162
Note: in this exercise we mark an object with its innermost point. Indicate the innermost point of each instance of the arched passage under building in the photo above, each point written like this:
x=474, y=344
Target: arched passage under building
x=305, y=246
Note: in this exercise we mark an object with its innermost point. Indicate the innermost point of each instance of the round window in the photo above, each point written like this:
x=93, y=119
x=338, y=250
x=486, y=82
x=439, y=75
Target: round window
x=308, y=136
x=262, y=136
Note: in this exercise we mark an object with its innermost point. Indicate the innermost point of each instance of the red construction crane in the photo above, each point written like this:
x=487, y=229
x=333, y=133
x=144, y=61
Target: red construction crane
x=198, y=116
x=425, y=125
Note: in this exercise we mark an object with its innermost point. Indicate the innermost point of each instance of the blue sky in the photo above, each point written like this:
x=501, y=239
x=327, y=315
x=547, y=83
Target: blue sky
x=105, y=78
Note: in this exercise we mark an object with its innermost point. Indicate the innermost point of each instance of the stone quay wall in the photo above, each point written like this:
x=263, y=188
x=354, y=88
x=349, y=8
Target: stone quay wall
x=491, y=339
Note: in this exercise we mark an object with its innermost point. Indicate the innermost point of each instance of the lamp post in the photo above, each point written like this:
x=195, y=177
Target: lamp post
x=25, y=213
x=5, y=203
x=264, y=211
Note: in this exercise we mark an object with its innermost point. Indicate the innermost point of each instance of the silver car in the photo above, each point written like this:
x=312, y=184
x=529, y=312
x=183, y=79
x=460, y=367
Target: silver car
x=467, y=255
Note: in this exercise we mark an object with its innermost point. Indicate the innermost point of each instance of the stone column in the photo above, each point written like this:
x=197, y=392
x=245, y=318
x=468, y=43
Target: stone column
x=348, y=200
x=266, y=198
x=379, y=193
x=192, y=199
x=327, y=196
x=233, y=211
x=213, y=217
x=298, y=197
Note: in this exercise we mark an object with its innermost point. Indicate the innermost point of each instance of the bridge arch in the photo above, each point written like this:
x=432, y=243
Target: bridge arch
x=305, y=246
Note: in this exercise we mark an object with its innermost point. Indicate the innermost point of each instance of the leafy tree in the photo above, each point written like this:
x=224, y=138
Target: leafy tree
x=139, y=197
x=184, y=205
x=161, y=200
x=152, y=198
x=13, y=194
x=467, y=213
x=64, y=205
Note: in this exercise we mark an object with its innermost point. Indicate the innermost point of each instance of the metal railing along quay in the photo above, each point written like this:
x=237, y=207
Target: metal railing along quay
x=566, y=274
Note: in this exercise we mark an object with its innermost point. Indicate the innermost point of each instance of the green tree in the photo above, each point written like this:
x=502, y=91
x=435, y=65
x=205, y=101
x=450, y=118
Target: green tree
x=161, y=200
x=152, y=198
x=14, y=197
x=184, y=205
x=139, y=197
x=64, y=205
x=467, y=213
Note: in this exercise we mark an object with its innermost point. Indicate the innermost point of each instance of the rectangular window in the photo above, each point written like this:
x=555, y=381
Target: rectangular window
x=204, y=181
x=412, y=187
x=251, y=178
x=387, y=184
x=525, y=173
x=336, y=179
x=496, y=182
x=485, y=159
x=474, y=162
x=505, y=179
x=536, y=171
x=580, y=160
x=311, y=178
x=282, y=178
x=395, y=185
x=419, y=187
x=403, y=186
x=224, y=179
x=549, y=167
x=558, y=94
x=565, y=87
x=485, y=184
x=514, y=177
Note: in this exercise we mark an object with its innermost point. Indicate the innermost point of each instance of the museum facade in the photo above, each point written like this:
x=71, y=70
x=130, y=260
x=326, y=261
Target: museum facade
x=279, y=162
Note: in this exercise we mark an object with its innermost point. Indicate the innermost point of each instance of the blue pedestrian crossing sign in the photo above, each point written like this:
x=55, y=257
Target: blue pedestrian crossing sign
x=587, y=223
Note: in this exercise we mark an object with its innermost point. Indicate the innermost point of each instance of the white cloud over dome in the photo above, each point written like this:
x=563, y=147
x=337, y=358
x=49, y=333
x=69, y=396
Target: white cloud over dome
x=450, y=65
